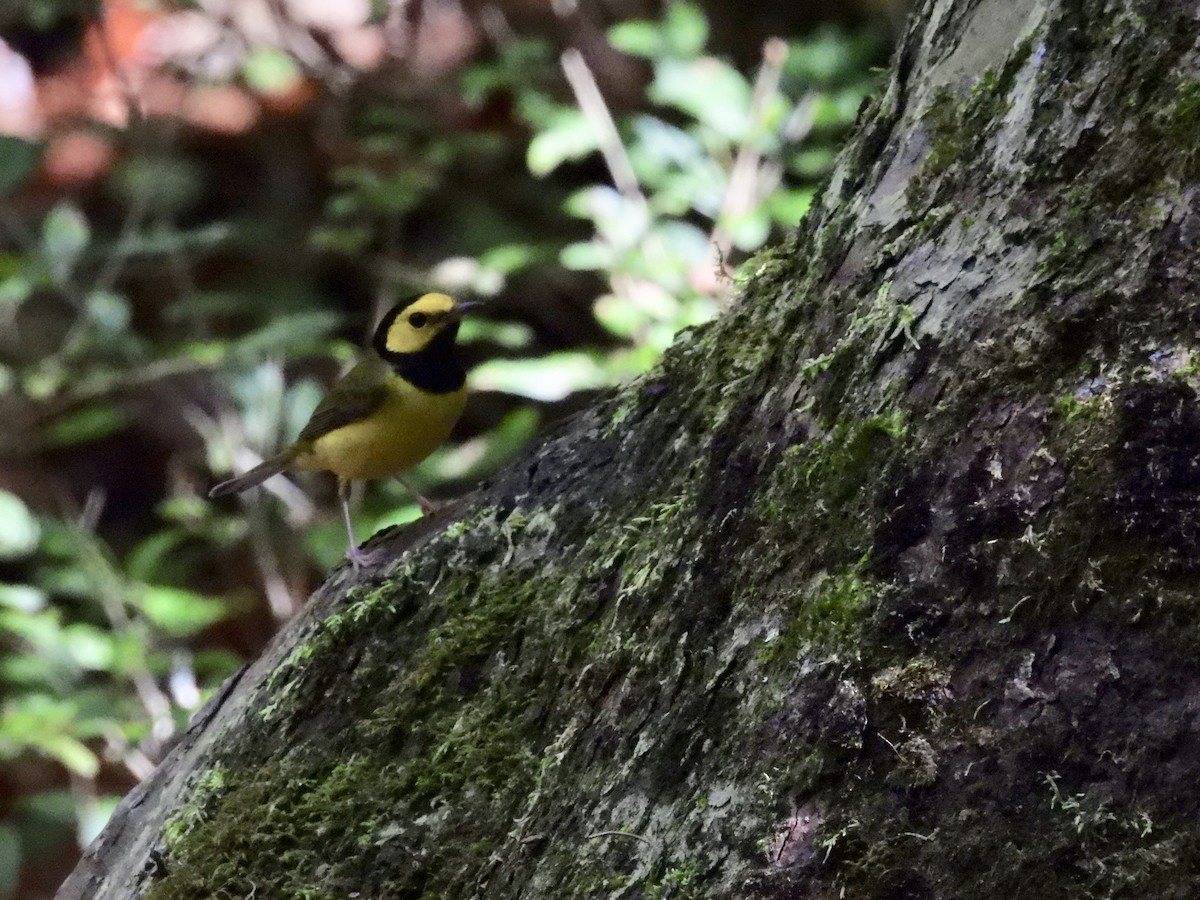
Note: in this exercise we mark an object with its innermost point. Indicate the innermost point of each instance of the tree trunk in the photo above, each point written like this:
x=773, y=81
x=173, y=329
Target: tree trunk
x=883, y=585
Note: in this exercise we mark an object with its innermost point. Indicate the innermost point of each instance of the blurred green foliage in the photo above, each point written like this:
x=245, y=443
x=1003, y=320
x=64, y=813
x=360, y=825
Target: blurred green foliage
x=181, y=307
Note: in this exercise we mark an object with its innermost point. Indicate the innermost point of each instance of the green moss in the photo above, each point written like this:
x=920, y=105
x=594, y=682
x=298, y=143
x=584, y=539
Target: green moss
x=917, y=681
x=1074, y=407
x=1177, y=126
x=828, y=477
x=944, y=120
x=823, y=619
x=872, y=329
x=437, y=732
x=291, y=826
x=960, y=128
x=678, y=883
x=463, y=526
x=467, y=638
x=206, y=790
x=535, y=678
x=916, y=765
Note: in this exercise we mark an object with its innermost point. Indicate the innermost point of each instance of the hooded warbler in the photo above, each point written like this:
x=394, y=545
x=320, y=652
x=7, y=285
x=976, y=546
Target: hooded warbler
x=386, y=414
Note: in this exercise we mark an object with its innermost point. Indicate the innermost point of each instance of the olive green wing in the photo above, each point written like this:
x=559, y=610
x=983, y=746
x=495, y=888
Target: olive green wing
x=352, y=398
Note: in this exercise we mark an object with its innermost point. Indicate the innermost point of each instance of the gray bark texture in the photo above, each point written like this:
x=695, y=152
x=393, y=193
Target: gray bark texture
x=882, y=585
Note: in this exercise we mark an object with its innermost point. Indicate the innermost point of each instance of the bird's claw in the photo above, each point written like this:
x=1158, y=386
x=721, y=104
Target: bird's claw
x=358, y=558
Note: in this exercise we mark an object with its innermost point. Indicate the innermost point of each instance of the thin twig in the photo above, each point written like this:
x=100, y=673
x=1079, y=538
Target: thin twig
x=283, y=605
x=134, y=125
x=111, y=588
x=133, y=108
x=595, y=110
x=226, y=431
x=335, y=73
x=744, y=190
x=636, y=837
x=138, y=764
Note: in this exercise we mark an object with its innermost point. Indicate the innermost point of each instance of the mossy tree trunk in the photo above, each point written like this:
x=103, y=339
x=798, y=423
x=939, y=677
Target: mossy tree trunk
x=884, y=585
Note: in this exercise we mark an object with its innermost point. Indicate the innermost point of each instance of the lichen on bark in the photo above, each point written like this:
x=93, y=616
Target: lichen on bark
x=881, y=585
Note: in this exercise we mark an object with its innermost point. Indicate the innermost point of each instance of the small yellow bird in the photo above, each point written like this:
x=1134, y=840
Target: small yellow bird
x=387, y=413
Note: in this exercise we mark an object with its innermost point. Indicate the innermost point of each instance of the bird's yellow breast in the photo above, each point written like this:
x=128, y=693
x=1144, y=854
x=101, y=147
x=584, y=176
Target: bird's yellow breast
x=408, y=426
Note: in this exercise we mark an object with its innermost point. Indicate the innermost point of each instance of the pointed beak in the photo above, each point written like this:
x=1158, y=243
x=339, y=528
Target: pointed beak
x=462, y=309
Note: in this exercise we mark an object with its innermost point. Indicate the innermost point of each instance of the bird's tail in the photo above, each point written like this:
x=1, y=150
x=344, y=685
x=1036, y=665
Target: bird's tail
x=258, y=474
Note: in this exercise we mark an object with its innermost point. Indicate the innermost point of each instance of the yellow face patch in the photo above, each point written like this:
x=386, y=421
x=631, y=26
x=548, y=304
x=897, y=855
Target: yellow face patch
x=419, y=323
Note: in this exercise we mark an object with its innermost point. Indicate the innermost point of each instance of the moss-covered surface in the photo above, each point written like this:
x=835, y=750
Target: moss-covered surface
x=882, y=586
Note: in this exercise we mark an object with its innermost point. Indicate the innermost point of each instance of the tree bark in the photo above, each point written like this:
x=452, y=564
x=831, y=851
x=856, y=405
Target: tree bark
x=883, y=585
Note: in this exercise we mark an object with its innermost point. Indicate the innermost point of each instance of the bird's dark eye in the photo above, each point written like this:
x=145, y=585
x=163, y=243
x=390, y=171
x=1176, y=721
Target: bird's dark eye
x=418, y=320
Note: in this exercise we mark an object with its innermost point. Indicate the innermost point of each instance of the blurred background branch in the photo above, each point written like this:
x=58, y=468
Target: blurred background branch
x=205, y=205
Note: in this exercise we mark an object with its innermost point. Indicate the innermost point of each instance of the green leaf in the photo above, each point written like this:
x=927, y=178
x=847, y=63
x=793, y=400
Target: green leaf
x=685, y=29
x=287, y=334
x=88, y=424
x=326, y=542
x=638, y=38
x=65, y=235
x=465, y=274
x=570, y=137
x=149, y=558
x=547, y=378
x=67, y=580
x=749, y=230
x=18, y=159
x=812, y=162
x=185, y=508
x=270, y=71
x=108, y=311
x=299, y=401
x=45, y=380
x=682, y=33
x=209, y=353
x=94, y=816
x=10, y=858
x=509, y=335
x=214, y=666
x=90, y=647
x=19, y=530
x=681, y=246
x=586, y=256
x=345, y=239
x=828, y=56
x=660, y=150
x=709, y=90
x=619, y=316
x=509, y=258
x=71, y=753
x=45, y=820
x=15, y=289
x=522, y=62
x=23, y=598
x=789, y=207
x=169, y=184
x=837, y=110
x=59, y=539
x=178, y=612
x=620, y=220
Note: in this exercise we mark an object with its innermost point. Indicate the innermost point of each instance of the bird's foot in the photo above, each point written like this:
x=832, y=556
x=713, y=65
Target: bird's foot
x=428, y=507
x=359, y=558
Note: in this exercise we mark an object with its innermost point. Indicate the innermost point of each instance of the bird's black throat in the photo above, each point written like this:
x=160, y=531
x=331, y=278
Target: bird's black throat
x=435, y=368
